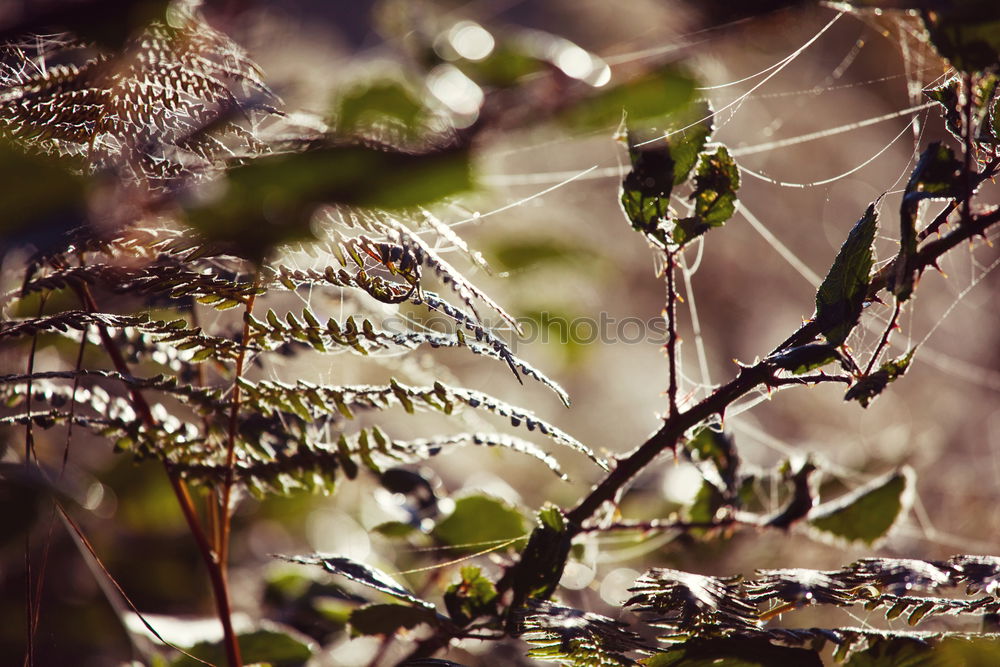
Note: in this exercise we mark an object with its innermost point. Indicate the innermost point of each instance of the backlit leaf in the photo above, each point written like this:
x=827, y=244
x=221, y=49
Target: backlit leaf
x=478, y=523
x=866, y=514
x=841, y=296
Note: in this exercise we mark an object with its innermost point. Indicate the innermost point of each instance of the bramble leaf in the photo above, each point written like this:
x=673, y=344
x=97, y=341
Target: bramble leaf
x=714, y=196
x=644, y=99
x=662, y=159
x=841, y=296
x=867, y=513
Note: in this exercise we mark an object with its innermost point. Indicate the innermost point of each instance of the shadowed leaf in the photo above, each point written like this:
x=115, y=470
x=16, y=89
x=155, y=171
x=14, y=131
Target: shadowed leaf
x=361, y=573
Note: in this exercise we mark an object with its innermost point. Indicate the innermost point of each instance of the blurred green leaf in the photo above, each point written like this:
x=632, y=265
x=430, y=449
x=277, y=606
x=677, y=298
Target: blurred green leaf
x=841, y=296
x=502, y=68
x=906, y=652
x=375, y=102
x=278, y=647
x=270, y=200
x=41, y=199
x=387, y=619
x=394, y=529
x=867, y=389
x=517, y=254
x=867, y=513
x=714, y=196
x=642, y=101
x=706, y=503
x=471, y=597
x=479, y=521
x=966, y=32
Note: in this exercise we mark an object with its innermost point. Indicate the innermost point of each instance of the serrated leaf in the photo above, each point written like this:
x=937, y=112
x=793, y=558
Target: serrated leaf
x=938, y=175
x=714, y=196
x=360, y=573
x=543, y=559
x=867, y=513
x=387, y=619
x=270, y=200
x=479, y=522
x=841, y=296
x=662, y=159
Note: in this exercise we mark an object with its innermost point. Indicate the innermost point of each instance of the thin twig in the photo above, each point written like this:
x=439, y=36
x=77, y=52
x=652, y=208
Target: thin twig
x=217, y=577
x=885, y=337
x=234, y=416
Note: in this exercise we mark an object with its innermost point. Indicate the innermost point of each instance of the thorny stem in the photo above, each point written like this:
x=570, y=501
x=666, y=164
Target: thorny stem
x=885, y=337
x=748, y=379
x=234, y=415
x=671, y=345
x=217, y=577
x=967, y=150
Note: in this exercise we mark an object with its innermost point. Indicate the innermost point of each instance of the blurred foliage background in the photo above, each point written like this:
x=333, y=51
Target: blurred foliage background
x=547, y=219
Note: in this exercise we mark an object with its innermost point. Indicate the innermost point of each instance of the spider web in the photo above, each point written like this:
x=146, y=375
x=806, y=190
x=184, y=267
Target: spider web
x=820, y=123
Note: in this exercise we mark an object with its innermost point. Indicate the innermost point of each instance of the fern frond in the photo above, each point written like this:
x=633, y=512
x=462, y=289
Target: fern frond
x=175, y=333
x=393, y=293
x=174, y=281
x=365, y=338
x=417, y=251
x=581, y=639
x=151, y=111
x=308, y=401
x=685, y=603
x=312, y=465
